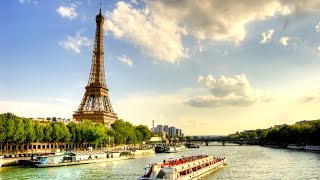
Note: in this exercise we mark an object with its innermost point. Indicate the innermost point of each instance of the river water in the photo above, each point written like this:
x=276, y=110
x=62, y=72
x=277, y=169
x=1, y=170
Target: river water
x=244, y=162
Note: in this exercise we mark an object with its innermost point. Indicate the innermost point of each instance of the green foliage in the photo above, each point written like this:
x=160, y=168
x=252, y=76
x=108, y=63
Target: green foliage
x=301, y=133
x=29, y=130
x=19, y=136
x=10, y=126
x=14, y=129
x=188, y=138
x=142, y=133
x=73, y=129
x=39, y=132
x=124, y=132
x=47, y=133
x=3, y=133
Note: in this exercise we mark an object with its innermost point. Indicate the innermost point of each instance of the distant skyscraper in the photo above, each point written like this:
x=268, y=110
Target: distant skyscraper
x=178, y=132
x=159, y=128
x=172, y=131
x=166, y=128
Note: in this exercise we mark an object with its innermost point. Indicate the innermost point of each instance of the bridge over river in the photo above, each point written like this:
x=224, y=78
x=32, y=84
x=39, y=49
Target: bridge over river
x=223, y=140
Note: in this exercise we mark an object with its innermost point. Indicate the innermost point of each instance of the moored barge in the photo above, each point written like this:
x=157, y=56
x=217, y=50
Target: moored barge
x=68, y=159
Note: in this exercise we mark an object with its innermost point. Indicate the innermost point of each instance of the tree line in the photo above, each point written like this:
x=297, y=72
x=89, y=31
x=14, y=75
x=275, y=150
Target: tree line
x=15, y=130
x=300, y=133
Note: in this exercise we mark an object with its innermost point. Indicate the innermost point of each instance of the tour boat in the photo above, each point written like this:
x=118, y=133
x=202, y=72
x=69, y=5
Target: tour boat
x=184, y=168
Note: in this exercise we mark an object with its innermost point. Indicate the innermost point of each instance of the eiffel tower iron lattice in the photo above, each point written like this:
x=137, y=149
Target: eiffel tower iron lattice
x=95, y=104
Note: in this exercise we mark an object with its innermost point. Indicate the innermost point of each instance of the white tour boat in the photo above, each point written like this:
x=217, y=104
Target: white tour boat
x=184, y=168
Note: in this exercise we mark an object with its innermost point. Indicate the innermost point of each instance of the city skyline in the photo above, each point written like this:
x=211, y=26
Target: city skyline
x=209, y=67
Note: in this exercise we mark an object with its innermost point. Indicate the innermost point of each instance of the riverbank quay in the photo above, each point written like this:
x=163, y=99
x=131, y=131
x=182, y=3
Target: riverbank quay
x=294, y=147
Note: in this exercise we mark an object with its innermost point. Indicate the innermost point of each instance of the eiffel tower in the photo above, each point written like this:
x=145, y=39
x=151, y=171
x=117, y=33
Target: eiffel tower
x=95, y=104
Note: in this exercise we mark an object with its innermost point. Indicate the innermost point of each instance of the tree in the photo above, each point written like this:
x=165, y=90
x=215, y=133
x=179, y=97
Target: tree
x=10, y=127
x=56, y=132
x=72, y=129
x=19, y=136
x=3, y=134
x=30, y=134
x=65, y=135
x=143, y=133
x=47, y=131
x=124, y=132
x=188, y=138
x=39, y=132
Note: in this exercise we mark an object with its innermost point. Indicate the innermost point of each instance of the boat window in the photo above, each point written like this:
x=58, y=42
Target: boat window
x=160, y=174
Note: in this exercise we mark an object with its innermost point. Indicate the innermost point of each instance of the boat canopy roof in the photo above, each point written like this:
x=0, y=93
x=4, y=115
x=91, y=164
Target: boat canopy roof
x=155, y=139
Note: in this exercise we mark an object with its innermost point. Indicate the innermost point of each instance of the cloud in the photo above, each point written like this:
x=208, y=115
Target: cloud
x=28, y=2
x=266, y=36
x=307, y=99
x=158, y=27
x=233, y=91
x=217, y=20
x=318, y=27
x=284, y=41
x=126, y=60
x=134, y=1
x=75, y=43
x=311, y=97
x=67, y=12
x=157, y=37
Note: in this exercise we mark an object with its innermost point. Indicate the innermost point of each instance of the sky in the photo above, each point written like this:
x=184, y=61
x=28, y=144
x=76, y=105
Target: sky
x=208, y=67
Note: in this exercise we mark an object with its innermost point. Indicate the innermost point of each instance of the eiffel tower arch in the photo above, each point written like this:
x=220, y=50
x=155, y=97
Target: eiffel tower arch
x=95, y=104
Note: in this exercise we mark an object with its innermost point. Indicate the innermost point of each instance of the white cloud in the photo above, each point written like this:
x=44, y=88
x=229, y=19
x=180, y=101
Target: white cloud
x=67, y=12
x=156, y=36
x=126, y=60
x=266, y=36
x=134, y=1
x=284, y=41
x=318, y=27
x=233, y=91
x=28, y=2
x=75, y=43
x=217, y=20
x=158, y=27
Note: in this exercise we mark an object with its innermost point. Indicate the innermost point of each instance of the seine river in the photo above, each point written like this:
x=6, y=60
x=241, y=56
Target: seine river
x=244, y=162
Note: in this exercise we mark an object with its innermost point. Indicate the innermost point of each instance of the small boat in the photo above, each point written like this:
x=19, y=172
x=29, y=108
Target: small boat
x=184, y=168
x=68, y=159
x=312, y=148
x=192, y=145
x=160, y=149
x=170, y=149
x=294, y=146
